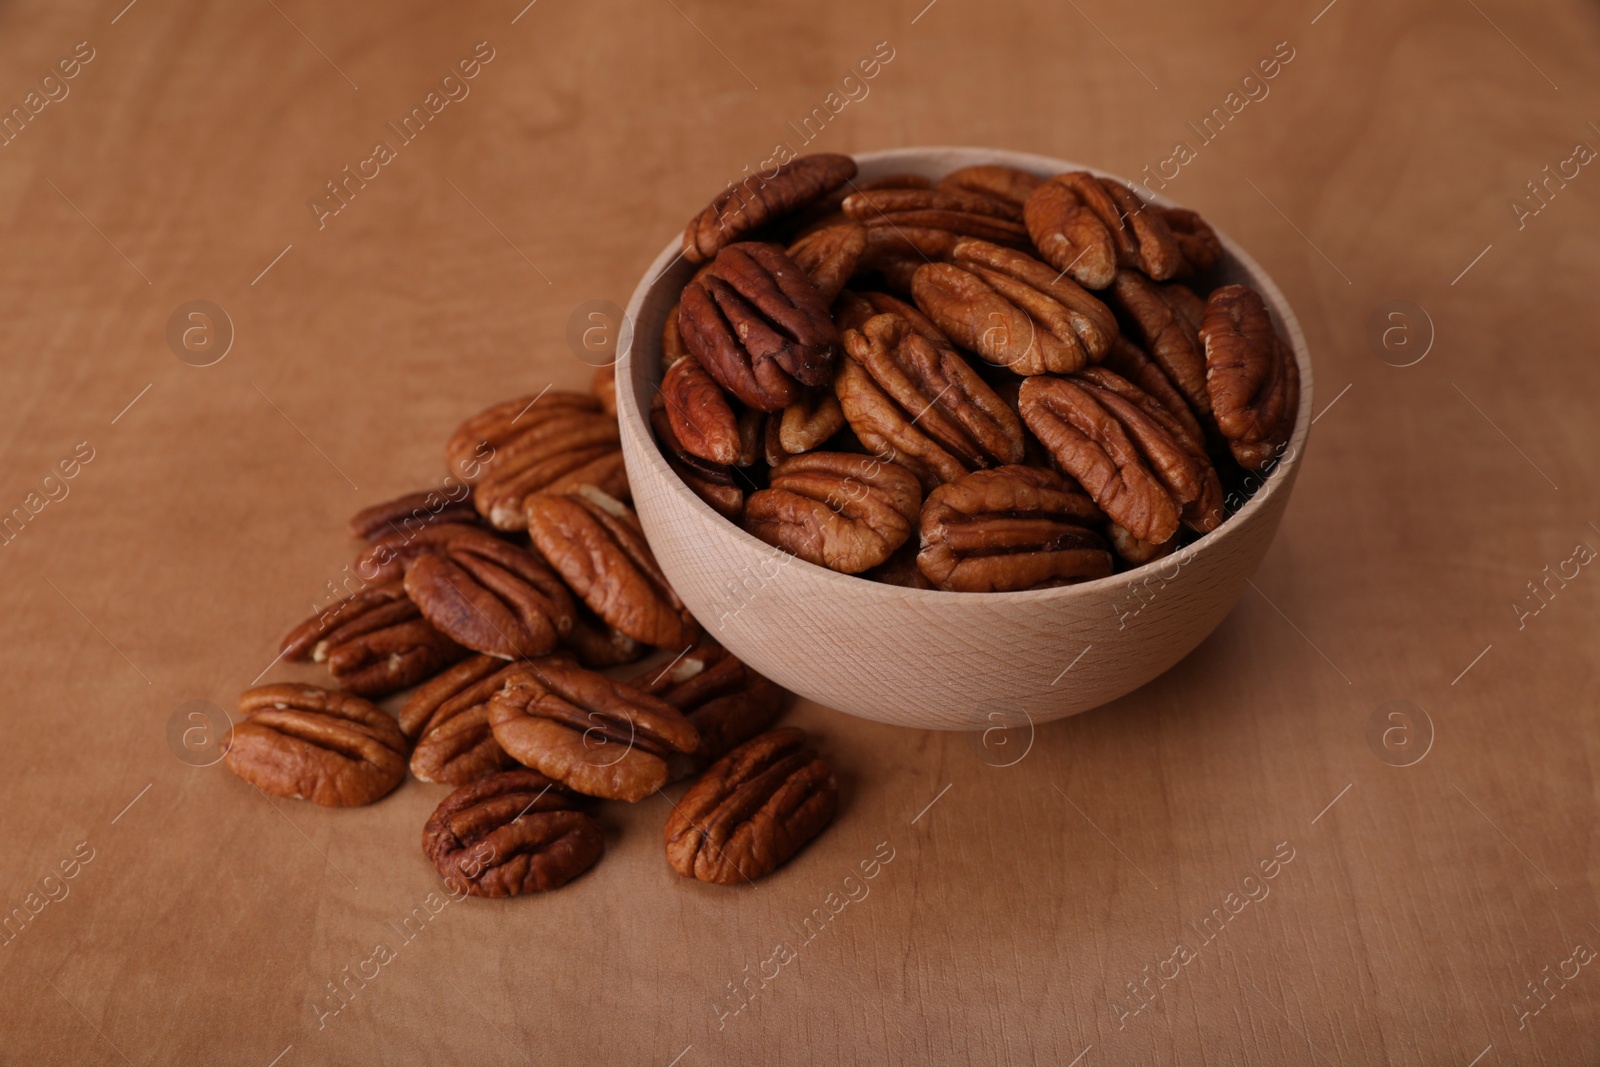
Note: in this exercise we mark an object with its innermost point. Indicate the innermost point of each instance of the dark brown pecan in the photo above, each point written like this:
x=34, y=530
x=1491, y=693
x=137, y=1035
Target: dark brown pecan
x=309, y=743
x=1011, y=528
x=594, y=735
x=1166, y=322
x=712, y=482
x=604, y=388
x=512, y=833
x=759, y=326
x=1007, y=183
x=413, y=511
x=1129, y=361
x=837, y=510
x=672, y=346
x=726, y=701
x=895, y=250
x=829, y=256
x=386, y=558
x=483, y=440
x=1013, y=310
x=490, y=595
x=374, y=643
x=1088, y=227
x=959, y=211
x=760, y=199
x=1202, y=248
x=940, y=396
x=595, y=541
x=557, y=454
x=1092, y=445
x=754, y=809
x=1251, y=375
x=448, y=718
x=598, y=644
x=703, y=420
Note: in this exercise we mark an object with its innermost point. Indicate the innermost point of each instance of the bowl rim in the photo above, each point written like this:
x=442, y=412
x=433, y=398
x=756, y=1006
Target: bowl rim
x=1278, y=480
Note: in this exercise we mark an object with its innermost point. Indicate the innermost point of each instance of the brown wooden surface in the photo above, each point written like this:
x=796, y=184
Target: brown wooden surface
x=1016, y=908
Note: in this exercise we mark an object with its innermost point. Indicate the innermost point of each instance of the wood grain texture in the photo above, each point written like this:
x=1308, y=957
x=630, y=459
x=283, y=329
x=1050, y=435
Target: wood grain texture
x=1040, y=882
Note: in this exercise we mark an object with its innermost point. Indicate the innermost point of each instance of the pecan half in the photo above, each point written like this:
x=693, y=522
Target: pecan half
x=388, y=555
x=490, y=595
x=759, y=326
x=759, y=200
x=852, y=309
x=1129, y=361
x=374, y=643
x=809, y=422
x=481, y=441
x=594, y=735
x=1202, y=248
x=556, y=454
x=514, y=832
x=309, y=743
x=1251, y=375
x=725, y=701
x=595, y=541
x=971, y=214
x=448, y=718
x=1088, y=226
x=829, y=256
x=1166, y=322
x=1011, y=528
x=837, y=510
x=703, y=420
x=1013, y=310
x=754, y=809
x=413, y=511
x=1007, y=183
x=1134, y=552
x=712, y=482
x=672, y=346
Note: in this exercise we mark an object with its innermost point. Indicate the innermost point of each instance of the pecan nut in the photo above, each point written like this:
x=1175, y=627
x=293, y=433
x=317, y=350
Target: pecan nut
x=1013, y=310
x=374, y=643
x=838, y=510
x=703, y=421
x=1166, y=322
x=1251, y=375
x=598, y=644
x=557, y=453
x=512, y=833
x=754, y=809
x=309, y=743
x=598, y=546
x=1011, y=528
x=413, y=511
x=725, y=701
x=490, y=595
x=808, y=423
x=594, y=735
x=959, y=211
x=448, y=718
x=1088, y=227
x=712, y=482
x=829, y=256
x=1128, y=360
x=479, y=442
x=1006, y=183
x=759, y=326
x=760, y=199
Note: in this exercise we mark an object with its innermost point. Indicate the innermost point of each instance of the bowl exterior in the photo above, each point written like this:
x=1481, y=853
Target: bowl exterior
x=932, y=659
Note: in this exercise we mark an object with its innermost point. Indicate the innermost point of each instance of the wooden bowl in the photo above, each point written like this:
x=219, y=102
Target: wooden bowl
x=928, y=658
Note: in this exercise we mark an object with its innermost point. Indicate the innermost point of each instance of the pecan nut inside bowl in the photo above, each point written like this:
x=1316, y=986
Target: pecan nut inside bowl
x=931, y=658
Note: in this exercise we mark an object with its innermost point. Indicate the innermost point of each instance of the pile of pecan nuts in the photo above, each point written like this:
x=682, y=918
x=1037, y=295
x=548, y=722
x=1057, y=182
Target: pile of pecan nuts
x=988, y=383
x=500, y=600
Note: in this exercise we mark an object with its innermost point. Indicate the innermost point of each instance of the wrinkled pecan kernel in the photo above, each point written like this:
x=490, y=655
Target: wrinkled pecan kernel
x=559, y=453
x=490, y=595
x=482, y=441
x=672, y=346
x=759, y=326
x=759, y=199
x=712, y=482
x=809, y=422
x=309, y=743
x=1013, y=310
x=1202, y=248
x=703, y=420
x=1089, y=226
x=970, y=214
x=1166, y=322
x=595, y=735
x=448, y=718
x=512, y=833
x=1129, y=361
x=1251, y=375
x=725, y=701
x=1007, y=183
x=829, y=256
x=374, y=643
x=1011, y=528
x=835, y=509
x=413, y=511
x=853, y=309
x=752, y=810
x=597, y=545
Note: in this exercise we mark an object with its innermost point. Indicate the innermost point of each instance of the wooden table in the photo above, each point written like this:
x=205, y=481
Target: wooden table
x=1102, y=899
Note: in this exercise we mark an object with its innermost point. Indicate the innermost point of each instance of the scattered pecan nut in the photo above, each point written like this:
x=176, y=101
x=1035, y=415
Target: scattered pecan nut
x=512, y=833
x=752, y=810
x=309, y=743
x=1251, y=375
x=413, y=511
x=835, y=509
x=598, y=644
x=1088, y=226
x=448, y=718
x=481, y=441
x=759, y=326
x=490, y=595
x=375, y=642
x=1013, y=310
x=597, y=545
x=760, y=199
x=595, y=735
x=829, y=256
x=725, y=701
x=703, y=420
x=557, y=453
x=1011, y=528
